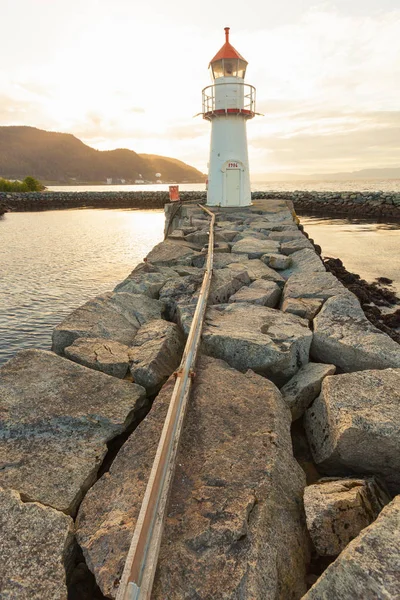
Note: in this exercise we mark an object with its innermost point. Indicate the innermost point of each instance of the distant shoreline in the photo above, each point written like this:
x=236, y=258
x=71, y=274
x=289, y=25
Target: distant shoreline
x=352, y=204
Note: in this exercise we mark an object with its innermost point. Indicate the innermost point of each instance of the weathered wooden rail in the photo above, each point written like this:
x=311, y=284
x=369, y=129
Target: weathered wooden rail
x=141, y=563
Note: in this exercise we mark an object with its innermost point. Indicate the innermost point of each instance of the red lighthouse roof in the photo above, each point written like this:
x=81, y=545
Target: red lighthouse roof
x=227, y=50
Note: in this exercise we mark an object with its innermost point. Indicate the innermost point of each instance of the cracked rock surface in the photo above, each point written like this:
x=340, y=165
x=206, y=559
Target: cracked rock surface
x=156, y=354
x=305, y=386
x=146, y=279
x=254, y=247
x=100, y=354
x=369, y=567
x=261, y=291
x=57, y=419
x=170, y=252
x=338, y=509
x=354, y=425
x=266, y=340
x=344, y=336
x=36, y=547
x=114, y=316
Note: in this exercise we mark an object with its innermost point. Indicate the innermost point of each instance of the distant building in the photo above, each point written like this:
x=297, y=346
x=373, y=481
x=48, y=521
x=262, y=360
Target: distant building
x=109, y=180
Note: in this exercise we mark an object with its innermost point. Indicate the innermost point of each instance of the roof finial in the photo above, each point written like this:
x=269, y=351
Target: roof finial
x=227, y=34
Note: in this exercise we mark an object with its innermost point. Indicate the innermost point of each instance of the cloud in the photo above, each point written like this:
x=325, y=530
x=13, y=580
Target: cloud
x=326, y=75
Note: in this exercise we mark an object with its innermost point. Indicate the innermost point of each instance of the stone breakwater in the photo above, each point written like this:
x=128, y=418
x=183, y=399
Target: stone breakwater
x=290, y=454
x=372, y=204
x=363, y=204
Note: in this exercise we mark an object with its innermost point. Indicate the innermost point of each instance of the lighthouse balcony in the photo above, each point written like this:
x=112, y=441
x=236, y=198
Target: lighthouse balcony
x=229, y=99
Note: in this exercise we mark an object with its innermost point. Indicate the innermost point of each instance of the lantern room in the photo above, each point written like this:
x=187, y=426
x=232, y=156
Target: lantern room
x=228, y=62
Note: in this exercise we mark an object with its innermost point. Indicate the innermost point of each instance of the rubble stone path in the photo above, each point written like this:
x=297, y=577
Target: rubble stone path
x=288, y=472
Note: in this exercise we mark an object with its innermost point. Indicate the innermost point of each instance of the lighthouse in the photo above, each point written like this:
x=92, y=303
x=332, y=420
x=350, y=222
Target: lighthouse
x=228, y=104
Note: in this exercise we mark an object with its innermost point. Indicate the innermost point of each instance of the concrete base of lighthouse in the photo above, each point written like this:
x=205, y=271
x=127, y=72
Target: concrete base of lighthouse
x=228, y=175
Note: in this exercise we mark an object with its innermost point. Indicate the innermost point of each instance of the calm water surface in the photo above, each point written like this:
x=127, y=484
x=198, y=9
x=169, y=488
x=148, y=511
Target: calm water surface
x=363, y=185
x=370, y=249
x=53, y=261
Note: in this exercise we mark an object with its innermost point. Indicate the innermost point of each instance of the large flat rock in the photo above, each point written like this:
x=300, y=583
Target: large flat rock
x=234, y=526
x=254, y=247
x=369, y=568
x=292, y=246
x=286, y=236
x=265, y=293
x=266, y=340
x=257, y=269
x=321, y=285
x=36, y=546
x=260, y=224
x=57, y=419
x=306, y=308
x=103, y=355
x=304, y=262
x=344, y=336
x=113, y=316
x=221, y=260
x=171, y=252
x=234, y=523
x=354, y=425
x=146, y=279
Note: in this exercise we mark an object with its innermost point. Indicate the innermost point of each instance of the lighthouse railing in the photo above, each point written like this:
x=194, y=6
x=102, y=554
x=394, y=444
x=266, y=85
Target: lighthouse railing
x=243, y=101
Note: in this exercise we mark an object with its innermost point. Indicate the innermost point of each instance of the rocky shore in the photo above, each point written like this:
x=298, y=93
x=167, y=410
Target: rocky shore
x=363, y=204
x=287, y=483
x=372, y=297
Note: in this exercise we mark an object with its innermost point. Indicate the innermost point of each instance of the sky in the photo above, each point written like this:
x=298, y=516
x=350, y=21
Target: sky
x=129, y=74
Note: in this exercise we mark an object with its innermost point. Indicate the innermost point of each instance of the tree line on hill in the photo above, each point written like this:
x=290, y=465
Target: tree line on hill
x=29, y=184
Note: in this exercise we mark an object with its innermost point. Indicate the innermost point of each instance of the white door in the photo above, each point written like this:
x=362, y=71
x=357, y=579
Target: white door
x=232, y=197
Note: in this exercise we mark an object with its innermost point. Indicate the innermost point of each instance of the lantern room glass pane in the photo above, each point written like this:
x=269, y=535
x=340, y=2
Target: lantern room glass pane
x=241, y=69
x=230, y=67
x=217, y=69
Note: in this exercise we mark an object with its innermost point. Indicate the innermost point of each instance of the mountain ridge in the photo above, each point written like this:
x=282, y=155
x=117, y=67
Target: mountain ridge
x=63, y=158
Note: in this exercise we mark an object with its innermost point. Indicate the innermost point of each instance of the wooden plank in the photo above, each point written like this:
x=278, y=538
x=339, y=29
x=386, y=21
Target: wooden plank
x=141, y=563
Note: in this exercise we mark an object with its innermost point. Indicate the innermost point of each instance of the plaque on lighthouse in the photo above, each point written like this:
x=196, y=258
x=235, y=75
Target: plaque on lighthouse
x=228, y=103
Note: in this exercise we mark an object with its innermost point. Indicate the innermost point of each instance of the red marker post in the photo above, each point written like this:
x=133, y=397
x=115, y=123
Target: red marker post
x=174, y=193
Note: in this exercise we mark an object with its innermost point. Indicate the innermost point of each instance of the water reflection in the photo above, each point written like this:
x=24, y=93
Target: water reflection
x=368, y=248
x=53, y=261
x=363, y=224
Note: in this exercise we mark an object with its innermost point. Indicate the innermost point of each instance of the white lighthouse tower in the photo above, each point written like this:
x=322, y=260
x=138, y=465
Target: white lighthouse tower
x=228, y=103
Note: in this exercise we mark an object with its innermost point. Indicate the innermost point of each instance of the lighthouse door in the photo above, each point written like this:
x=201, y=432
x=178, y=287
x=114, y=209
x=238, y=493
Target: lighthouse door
x=232, y=187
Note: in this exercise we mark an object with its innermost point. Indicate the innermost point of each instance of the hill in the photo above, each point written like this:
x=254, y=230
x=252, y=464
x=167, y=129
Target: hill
x=383, y=173
x=63, y=158
x=386, y=173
